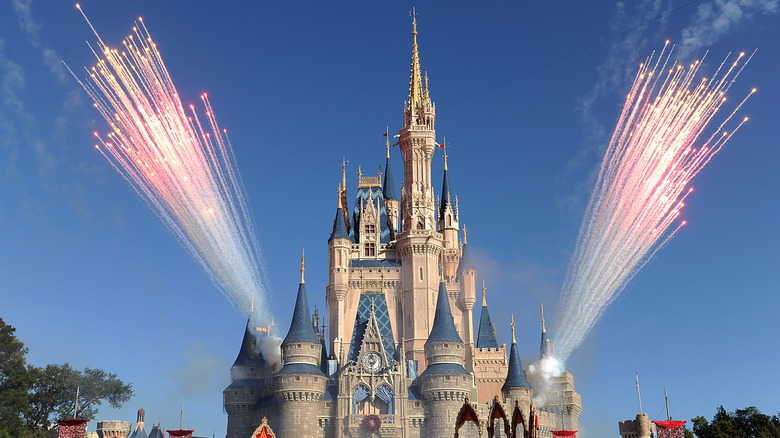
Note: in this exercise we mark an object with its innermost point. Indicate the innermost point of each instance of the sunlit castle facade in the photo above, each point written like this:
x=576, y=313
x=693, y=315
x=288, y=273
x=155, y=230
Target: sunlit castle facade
x=399, y=356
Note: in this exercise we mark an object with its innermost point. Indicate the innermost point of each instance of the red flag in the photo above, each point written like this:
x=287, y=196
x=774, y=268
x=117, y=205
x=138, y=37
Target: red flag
x=384, y=135
x=441, y=146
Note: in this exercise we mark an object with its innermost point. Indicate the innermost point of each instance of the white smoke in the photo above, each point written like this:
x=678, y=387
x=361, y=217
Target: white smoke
x=540, y=375
x=270, y=348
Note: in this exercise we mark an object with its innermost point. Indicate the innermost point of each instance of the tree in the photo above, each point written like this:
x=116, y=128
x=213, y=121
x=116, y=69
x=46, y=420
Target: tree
x=15, y=382
x=32, y=398
x=742, y=423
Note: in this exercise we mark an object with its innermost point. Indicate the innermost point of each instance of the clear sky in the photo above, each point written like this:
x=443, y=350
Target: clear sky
x=525, y=97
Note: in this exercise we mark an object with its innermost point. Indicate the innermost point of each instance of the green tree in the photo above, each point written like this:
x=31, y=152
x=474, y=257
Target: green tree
x=15, y=383
x=742, y=423
x=32, y=398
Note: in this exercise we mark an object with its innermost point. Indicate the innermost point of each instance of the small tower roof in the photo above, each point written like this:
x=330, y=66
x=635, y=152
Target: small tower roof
x=249, y=355
x=465, y=258
x=486, y=337
x=446, y=193
x=443, y=329
x=300, y=327
x=339, y=223
x=388, y=186
x=515, y=377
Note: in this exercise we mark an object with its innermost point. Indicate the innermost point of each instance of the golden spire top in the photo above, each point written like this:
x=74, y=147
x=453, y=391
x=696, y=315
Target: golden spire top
x=252, y=309
x=339, y=196
x=484, y=300
x=444, y=146
x=360, y=172
x=415, y=82
x=303, y=255
x=544, y=329
x=387, y=140
x=464, y=234
x=513, y=329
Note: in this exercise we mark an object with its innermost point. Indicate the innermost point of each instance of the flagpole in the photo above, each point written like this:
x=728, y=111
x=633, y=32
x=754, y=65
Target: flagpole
x=638, y=394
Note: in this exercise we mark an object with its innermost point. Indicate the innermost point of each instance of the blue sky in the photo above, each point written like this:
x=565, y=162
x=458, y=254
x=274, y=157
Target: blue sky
x=90, y=276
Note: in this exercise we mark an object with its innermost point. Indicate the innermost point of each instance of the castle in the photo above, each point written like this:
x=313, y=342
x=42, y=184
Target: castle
x=399, y=356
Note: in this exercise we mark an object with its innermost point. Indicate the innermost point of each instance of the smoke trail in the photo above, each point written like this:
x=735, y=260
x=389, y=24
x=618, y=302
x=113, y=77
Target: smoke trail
x=181, y=165
x=642, y=184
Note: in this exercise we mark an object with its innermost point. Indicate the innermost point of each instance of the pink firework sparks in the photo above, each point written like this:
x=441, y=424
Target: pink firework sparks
x=182, y=166
x=643, y=183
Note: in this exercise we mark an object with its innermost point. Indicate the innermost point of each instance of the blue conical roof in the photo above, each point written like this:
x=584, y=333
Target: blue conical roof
x=250, y=355
x=339, y=227
x=300, y=327
x=465, y=259
x=485, y=336
x=443, y=325
x=515, y=377
x=446, y=194
x=388, y=187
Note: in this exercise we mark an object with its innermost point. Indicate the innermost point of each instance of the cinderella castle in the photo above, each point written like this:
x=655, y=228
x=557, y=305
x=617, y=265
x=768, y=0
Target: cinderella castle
x=400, y=356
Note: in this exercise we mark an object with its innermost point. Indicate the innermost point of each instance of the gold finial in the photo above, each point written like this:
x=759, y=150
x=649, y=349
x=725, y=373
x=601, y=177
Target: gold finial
x=360, y=172
x=252, y=308
x=541, y=309
x=444, y=146
x=344, y=173
x=387, y=141
x=339, y=196
x=303, y=255
x=484, y=301
x=427, y=96
x=513, y=329
x=464, y=234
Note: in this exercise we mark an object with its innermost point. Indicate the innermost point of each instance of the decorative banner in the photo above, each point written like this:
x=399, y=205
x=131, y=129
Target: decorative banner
x=563, y=433
x=72, y=428
x=670, y=429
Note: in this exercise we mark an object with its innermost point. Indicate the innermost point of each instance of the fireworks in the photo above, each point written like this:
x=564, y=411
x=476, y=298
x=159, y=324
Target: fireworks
x=182, y=166
x=643, y=183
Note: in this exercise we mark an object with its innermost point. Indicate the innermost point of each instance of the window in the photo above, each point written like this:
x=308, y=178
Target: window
x=370, y=229
x=370, y=250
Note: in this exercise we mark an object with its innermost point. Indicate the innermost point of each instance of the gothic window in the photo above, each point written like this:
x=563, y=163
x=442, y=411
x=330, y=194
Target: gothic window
x=420, y=225
x=421, y=273
x=370, y=250
x=370, y=230
x=449, y=221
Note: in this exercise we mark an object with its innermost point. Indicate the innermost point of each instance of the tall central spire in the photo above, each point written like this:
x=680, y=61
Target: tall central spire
x=415, y=81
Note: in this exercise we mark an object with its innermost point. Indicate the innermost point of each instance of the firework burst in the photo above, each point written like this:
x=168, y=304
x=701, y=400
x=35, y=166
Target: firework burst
x=643, y=183
x=181, y=165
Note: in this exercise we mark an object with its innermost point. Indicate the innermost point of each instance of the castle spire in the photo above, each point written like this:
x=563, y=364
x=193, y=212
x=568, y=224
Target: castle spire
x=541, y=309
x=300, y=328
x=515, y=377
x=303, y=255
x=545, y=349
x=415, y=81
x=486, y=336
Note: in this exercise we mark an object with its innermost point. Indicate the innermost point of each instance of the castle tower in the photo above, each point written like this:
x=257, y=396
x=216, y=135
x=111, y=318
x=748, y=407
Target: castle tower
x=466, y=275
x=339, y=247
x=445, y=383
x=419, y=245
x=516, y=386
x=490, y=363
x=300, y=384
x=251, y=377
x=448, y=219
x=139, y=431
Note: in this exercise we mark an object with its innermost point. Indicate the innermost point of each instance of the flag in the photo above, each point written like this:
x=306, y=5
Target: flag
x=384, y=135
x=441, y=146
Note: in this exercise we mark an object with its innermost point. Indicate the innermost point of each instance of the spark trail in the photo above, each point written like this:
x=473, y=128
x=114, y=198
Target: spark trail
x=660, y=143
x=181, y=165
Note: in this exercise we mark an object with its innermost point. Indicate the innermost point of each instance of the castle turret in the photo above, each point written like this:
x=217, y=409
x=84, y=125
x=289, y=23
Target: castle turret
x=516, y=386
x=467, y=279
x=339, y=246
x=448, y=218
x=300, y=384
x=490, y=364
x=250, y=378
x=445, y=383
x=139, y=431
x=392, y=204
